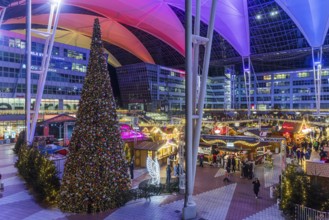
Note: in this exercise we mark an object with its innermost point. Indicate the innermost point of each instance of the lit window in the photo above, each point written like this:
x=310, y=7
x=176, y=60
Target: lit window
x=281, y=76
x=11, y=42
x=303, y=74
x=325, y=73
x=267, y=77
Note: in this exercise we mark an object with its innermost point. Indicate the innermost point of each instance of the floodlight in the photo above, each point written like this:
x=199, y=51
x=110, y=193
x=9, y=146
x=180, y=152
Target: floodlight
x=54, y=2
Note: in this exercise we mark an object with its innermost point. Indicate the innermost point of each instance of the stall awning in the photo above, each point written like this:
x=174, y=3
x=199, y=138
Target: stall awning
x=149, y=145
x=59, y=119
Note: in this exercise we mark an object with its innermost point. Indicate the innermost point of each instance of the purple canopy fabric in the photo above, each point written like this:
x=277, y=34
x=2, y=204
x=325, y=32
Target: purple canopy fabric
x=232, y=21
x=310, y=16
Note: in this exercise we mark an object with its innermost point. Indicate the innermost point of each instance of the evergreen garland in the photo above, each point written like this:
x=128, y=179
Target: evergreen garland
x=295, y=189
x=19, y=142
x=39, y=173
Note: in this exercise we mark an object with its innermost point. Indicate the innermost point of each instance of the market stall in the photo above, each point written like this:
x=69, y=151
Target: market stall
x=162, y=150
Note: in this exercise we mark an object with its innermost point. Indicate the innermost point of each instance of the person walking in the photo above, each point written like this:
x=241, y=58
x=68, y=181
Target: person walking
x=228, y=164
x=131, y=169
x=1, y=186
x=233, y=164
x=218, y=160
x=201, y=160
x=177, y=170
x=256, y=184
x=168, y=174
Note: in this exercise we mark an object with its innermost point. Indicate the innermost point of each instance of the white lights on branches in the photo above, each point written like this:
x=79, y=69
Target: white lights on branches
x=154, y=170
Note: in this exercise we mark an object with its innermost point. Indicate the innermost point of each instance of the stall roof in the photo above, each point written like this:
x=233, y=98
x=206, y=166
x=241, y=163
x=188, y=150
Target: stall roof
x=149, y=145
x=59, y=118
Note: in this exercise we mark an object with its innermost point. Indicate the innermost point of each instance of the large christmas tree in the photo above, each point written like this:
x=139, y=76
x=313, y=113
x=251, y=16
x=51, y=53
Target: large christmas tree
x=95, y=173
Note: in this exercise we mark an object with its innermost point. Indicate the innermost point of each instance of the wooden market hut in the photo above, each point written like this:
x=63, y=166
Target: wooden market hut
x=153, y=149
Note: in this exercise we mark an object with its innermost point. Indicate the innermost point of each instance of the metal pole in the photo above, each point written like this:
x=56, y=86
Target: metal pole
x=28, y=72
x=3, y=11
x=246, y=72
x=196, y=52
x=203, y=86
x=43, y=76
x=317, y=66
x=189, y=210
x=196, y=78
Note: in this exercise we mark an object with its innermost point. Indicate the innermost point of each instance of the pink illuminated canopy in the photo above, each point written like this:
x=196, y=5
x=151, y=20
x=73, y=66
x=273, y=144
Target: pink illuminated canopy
x=157, y=18
x=152, y=16
x=112, y=31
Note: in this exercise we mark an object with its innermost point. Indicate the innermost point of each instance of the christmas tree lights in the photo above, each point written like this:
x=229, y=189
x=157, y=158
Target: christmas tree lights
x=96, y=172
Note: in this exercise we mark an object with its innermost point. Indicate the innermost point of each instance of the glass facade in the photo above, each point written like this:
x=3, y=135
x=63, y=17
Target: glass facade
x=283, y=90
x=65, y=76
x=151, y=87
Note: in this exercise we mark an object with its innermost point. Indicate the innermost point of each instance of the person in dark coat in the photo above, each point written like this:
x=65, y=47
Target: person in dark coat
x=201, y=160
x=1, y=186
x=168, y=174
x=177, y=170
x=131, y=168
x=229, y=163
x=233, y=164
x=256, y=184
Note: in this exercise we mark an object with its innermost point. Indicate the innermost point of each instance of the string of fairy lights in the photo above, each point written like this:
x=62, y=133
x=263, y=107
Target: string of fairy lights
x=245, y=143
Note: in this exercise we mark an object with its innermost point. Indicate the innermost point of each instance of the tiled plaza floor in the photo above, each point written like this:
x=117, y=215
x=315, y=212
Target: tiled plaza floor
x=215, y=199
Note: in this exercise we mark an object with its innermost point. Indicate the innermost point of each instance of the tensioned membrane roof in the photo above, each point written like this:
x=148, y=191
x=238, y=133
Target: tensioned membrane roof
x=311, y=16
x=112, y=31
x=120, y=20
x=152, y=16
x=75, y=38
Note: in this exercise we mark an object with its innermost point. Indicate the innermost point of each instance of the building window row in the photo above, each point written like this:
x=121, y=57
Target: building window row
x=39, y=47
x=75, y=54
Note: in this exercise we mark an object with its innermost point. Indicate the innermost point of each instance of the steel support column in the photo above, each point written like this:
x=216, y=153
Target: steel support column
x=317, y=66
x=49, y=36
x=189, y=210
x=28, y=72
x=246, y=72
x=194, y=115
x=203, y=84
x=233, y=78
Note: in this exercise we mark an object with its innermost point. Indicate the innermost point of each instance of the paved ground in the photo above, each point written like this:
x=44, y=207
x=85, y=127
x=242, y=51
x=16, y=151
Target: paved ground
x=215, y=199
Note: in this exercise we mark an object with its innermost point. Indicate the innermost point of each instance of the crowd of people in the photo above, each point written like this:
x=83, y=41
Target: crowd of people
x=303, y=150
x=231, y=162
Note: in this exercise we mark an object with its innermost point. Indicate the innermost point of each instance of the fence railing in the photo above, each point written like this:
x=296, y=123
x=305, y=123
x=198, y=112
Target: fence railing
x=305, y=213
x=59, y=164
